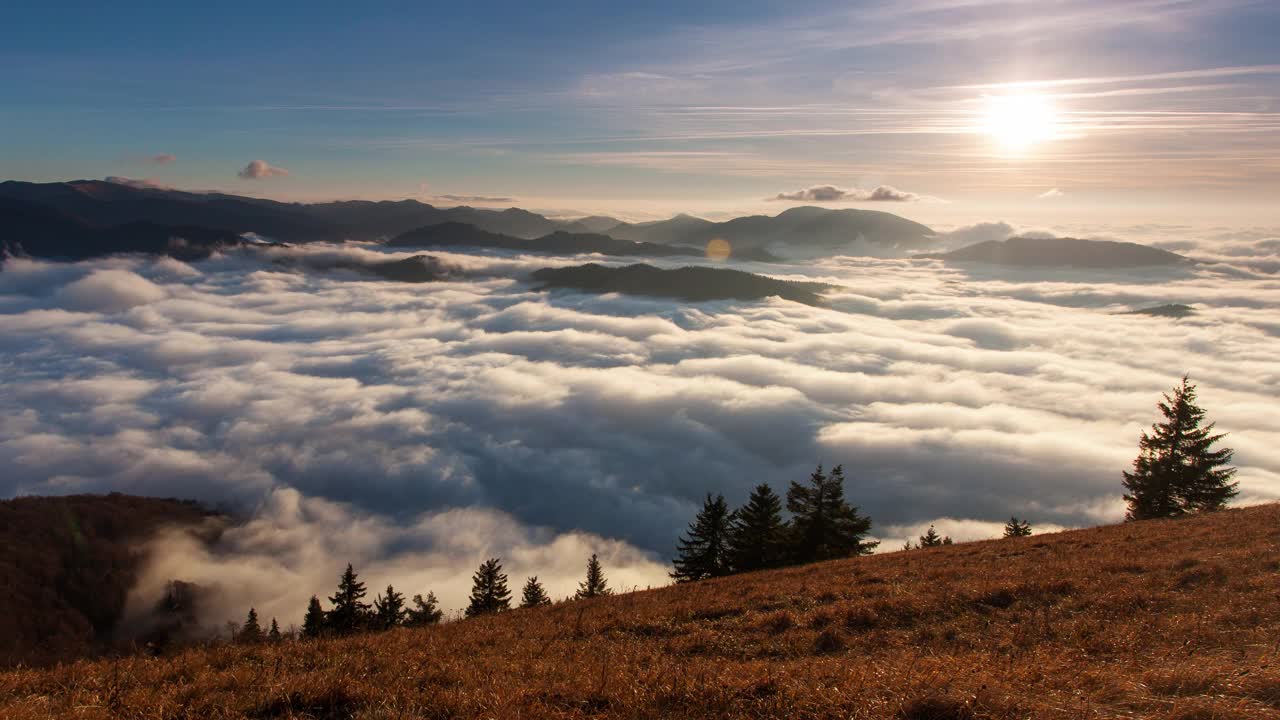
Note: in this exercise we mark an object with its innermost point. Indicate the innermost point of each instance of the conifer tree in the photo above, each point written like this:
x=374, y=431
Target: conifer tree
x=1017, y=528
x=704, y=552
x=1177, y=471
x=349, y=613
x=313, y=623
x=388, y=609
x=534, y=595
x=756, y=533
x=274, y=633
x=933, y=539
x=489, y=593
x=424, y=612
x=823, y=525
x=251, y=631
x=595, y=583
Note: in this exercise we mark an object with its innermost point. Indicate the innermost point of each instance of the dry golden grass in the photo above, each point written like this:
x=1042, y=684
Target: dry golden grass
x=1165, y=619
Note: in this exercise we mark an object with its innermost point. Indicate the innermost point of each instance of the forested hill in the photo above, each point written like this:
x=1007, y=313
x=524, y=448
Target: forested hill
x=67, y=565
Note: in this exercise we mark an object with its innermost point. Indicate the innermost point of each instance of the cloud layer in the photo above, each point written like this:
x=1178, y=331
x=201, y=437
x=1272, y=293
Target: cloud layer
x=955, y=396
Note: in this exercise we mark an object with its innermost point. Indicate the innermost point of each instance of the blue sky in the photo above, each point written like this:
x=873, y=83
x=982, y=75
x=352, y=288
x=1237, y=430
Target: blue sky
x=642, y=109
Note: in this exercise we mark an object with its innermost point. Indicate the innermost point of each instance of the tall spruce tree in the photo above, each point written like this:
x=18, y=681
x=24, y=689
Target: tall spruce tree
x=349, y=613
x=313, y=623
x=489, y=593
x=534, y=595
x=1177, y=471
x=424, y=612
x=704, y=552
x=823, y=525
x=274, y=633
x=250, y=631
x=595, y=583
x=756, y=534
x=388, y=609
x=1017, y=528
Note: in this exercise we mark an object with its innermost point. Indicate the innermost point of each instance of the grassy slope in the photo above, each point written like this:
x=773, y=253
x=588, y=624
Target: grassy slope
x=1176, y=619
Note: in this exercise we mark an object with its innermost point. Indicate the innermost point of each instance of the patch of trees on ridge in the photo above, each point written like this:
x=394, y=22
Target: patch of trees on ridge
x=350, y=614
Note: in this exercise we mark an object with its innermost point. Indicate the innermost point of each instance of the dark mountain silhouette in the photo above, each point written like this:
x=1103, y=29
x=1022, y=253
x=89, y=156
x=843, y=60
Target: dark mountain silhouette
x=104, y=204
x=798, y=232
x=1171, y=310
x=1062, y=252
x=689, y=283
x=67, y=566
x=416, y=269
x=454, y=234
x=44, y=232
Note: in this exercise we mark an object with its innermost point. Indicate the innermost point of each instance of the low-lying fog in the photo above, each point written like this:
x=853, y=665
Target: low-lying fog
x=416, y=429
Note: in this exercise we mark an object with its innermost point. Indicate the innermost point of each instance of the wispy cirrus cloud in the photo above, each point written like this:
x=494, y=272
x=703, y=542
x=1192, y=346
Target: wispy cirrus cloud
x=483, y=199
x=162, y=159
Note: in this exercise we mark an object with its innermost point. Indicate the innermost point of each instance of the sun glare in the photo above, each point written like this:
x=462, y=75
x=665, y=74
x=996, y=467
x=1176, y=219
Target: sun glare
x=1019, y=122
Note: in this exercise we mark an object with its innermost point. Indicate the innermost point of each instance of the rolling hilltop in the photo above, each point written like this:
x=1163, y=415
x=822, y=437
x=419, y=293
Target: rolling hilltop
x=1168, y=619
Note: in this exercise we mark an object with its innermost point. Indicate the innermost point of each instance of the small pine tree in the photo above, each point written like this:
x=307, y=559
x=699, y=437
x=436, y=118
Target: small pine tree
x=1017, y=528
x=388, y=609
x=534, y=595
x=1177, y=471
x=424, y=612
x=250, y=631
x=756, y=537
x=349, y=614
x=823, y=525
x=595, y=583
x=313, y=623
x=908, y=546
x=933, y=539
x=489, y=593
x=274, y=633
x=704, y=552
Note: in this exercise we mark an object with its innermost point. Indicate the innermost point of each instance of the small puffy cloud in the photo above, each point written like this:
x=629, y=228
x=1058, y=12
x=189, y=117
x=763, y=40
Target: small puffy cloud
x=258, y=169
x=1051, y=194
x=831, y=193
x=162, y=158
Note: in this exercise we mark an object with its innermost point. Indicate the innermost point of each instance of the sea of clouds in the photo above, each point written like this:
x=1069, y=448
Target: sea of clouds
x=416, y=429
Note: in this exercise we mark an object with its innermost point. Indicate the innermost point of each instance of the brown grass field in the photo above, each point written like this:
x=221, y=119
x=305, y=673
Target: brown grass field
x=1161, y=619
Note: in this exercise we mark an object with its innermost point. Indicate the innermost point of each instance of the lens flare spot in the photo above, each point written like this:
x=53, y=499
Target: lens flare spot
x=718, y=249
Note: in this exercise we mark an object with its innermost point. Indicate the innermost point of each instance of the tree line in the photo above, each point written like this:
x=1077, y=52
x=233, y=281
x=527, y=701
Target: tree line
x=1177, y=472
x=350, y=614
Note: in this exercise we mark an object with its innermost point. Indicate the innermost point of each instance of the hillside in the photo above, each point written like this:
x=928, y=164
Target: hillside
x=67, y=565
x=1158, y=619
x=1063, y=252
x=689, y=283
x=798, y=232
x=560, y=242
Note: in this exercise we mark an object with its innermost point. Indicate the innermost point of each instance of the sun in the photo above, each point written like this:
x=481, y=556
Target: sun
x=1019, y=122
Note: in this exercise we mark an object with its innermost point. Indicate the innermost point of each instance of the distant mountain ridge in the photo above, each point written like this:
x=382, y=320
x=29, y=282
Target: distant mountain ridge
x=799, y=232
x=82, y=208
x=1062, y=252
